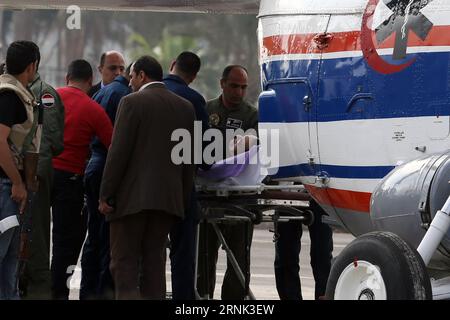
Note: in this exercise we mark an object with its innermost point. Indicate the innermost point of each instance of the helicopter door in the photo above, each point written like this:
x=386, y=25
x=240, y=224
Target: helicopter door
x=290, y=65
x=285, y=106
x=345, y=113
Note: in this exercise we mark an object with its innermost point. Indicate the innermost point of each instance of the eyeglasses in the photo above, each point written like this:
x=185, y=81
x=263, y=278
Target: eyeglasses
x=114, y=68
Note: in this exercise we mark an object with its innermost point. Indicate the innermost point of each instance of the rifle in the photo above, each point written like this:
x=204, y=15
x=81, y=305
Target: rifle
x=25, y=239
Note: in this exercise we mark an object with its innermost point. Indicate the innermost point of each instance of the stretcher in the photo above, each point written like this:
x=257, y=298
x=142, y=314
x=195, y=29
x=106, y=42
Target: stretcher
x=251, y=203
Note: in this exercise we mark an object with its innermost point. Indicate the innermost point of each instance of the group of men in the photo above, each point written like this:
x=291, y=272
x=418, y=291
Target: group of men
x=61, y=160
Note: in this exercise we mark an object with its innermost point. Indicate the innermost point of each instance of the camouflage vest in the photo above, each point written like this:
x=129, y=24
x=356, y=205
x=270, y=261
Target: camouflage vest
x=20, y=133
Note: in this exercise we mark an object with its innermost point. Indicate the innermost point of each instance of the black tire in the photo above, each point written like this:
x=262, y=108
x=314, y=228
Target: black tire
x=402, y=268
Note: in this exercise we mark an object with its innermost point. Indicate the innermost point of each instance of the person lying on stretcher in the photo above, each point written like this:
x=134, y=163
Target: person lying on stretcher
x=241, y=169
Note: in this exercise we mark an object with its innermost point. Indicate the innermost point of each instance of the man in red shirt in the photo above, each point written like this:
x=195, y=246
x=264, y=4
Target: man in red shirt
x=84, y=119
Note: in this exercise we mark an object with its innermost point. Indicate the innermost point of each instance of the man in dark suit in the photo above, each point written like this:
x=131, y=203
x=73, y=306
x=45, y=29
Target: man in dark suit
x=143, y=192
x=112, y=64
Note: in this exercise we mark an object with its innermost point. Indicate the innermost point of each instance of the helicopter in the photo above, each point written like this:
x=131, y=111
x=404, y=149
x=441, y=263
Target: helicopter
x=359, y=91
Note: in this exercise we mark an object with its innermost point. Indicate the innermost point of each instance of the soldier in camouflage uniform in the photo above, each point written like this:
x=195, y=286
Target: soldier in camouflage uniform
x=35, y=282
x=20, y=138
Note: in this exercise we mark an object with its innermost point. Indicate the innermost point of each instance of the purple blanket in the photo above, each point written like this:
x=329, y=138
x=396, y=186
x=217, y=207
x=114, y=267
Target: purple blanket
x=230, y=167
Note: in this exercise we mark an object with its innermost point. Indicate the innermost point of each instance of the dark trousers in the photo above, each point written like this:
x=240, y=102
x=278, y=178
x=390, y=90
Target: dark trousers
x=183, y=236
x=69, y=230
x=35, y=282
x=138, y=254
x=96, y=279
x=235, y=236
x=287, y=252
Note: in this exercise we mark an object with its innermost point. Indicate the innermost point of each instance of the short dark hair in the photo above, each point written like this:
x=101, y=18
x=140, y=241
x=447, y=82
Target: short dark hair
x=150, y=66
x=102, y=59
x=228, y=69
x=2, y=68
x=79, y=70
x=20, y=55
x=128, y=69
x=38, y=55
x=188, y=63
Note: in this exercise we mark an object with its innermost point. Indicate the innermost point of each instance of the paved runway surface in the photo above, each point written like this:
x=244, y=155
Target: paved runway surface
x=262, y=281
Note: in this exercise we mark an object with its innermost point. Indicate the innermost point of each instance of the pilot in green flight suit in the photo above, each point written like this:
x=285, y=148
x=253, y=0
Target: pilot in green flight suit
x=35, y=282
x=228, y=112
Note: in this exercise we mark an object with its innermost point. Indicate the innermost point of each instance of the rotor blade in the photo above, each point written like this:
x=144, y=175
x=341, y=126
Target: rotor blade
x=201, y=6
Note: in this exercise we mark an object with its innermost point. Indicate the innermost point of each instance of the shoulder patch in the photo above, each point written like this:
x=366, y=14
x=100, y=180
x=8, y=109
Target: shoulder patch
x=48, y=100
x=214, y=119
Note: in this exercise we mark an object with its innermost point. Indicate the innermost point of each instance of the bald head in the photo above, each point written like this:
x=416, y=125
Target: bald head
x=112, y=64
x=234, y=85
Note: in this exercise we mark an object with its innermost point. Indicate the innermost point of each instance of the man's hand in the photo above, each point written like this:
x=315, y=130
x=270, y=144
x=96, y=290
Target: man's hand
x=19, y=195
x=104, y=208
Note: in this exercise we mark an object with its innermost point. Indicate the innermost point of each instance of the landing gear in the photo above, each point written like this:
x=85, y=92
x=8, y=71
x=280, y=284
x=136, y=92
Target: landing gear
x=379, y=266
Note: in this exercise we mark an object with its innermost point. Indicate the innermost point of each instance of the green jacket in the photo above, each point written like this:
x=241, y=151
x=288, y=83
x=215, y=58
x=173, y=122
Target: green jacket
x=52, y=143
x=244, y=117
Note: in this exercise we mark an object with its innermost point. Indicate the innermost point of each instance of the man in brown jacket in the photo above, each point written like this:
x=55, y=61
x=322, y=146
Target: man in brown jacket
x=143, y=193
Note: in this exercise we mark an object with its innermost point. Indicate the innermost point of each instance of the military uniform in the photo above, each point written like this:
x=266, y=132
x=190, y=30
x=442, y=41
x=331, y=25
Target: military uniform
x=36, y=280
x=245, y=117
x=25, y=137
x=24, y=142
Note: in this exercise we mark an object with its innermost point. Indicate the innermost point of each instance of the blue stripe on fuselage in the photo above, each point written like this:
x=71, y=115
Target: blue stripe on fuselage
x=421, y=90
x=332, y=171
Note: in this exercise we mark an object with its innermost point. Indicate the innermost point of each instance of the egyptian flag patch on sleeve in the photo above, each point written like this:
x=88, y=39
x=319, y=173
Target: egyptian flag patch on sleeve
x=48, y=100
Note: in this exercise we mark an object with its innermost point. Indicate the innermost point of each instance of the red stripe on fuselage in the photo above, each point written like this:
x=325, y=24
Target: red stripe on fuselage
x=347, y=41
x=344, y=199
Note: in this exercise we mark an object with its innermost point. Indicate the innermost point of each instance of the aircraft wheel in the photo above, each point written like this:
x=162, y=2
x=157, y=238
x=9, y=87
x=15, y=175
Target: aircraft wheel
x=379, y=266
